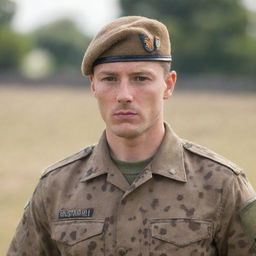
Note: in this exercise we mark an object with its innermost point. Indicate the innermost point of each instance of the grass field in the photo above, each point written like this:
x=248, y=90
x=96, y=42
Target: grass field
x=39, y=126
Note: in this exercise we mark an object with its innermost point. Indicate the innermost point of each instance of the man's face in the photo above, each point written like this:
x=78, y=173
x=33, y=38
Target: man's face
x=130, y=96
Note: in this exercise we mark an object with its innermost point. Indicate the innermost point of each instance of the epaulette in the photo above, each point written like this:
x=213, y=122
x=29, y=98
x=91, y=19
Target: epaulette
x=70, y=159
x=207, y=153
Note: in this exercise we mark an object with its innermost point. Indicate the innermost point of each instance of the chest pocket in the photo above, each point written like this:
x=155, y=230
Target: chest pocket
x=179, y=235
x=75, y=231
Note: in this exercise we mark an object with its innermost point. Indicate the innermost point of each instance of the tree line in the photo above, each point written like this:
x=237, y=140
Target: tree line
x=206, y=36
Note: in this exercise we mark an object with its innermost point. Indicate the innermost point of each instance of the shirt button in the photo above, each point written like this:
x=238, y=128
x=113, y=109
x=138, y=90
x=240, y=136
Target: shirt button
x=172, y=171
x=188, y=145
x=121, y=251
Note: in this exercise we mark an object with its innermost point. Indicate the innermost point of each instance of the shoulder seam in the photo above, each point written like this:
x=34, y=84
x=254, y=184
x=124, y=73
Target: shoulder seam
x=68, y=160
x=207, y=153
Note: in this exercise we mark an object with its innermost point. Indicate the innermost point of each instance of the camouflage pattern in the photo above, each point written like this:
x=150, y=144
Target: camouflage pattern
x=248, y=214
x=185, y=203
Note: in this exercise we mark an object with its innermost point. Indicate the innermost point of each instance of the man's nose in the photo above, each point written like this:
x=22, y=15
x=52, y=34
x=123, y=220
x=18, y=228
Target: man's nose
x=124, y=92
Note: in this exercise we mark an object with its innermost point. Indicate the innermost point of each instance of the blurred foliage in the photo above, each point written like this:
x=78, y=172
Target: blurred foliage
x=207, y=36
x=13, y=46
x=7, y=10
x=64, y=41
x=38, y=63
x=61, y=39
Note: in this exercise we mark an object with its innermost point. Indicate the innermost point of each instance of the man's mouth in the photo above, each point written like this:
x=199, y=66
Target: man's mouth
x=125, y=114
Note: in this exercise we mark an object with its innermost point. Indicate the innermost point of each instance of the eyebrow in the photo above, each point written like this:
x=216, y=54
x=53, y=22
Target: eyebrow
x=141, y=72
x=106, y=72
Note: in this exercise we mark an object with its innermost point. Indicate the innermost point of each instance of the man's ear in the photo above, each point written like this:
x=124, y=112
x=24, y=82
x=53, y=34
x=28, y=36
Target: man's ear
x=170, y=81
x=92, y=86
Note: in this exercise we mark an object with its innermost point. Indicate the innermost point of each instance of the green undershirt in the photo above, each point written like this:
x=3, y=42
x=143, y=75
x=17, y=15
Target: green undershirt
x=131, y=170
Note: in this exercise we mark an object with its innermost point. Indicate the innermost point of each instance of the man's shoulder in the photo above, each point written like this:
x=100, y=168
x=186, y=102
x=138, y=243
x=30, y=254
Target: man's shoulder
x=68, y=160
x=206, y=153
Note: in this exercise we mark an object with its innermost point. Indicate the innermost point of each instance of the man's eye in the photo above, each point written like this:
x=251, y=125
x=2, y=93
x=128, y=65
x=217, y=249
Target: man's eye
x=141, y=78
x=108, y=78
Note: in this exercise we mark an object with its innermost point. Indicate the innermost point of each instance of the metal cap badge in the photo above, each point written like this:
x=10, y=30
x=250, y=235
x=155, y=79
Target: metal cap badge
x=150, y=44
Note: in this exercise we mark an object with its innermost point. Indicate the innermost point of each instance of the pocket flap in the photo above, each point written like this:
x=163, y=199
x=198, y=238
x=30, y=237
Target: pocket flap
x=181, y=232
x=72, y=232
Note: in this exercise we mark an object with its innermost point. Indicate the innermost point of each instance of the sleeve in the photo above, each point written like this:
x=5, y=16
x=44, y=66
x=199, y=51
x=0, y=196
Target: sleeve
x=232, y=238
x=32, y=237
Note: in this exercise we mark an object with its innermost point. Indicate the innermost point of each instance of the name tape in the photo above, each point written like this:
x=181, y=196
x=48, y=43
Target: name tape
x=76, y=213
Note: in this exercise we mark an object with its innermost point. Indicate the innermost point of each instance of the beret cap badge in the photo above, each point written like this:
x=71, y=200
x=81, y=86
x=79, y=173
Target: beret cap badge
x=150, y=44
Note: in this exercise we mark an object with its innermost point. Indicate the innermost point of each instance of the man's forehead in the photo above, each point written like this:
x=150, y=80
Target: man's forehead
x=128, y=67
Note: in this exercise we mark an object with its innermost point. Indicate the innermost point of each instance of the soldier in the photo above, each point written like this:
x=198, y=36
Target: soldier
x=141, y=190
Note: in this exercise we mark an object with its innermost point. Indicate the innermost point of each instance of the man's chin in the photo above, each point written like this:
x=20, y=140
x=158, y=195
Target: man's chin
x=127, y=131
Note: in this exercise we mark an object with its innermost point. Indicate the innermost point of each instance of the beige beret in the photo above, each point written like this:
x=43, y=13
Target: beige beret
x=130, y=38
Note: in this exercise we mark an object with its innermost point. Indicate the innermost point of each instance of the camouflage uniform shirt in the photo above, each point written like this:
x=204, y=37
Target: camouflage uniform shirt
x=186, y=202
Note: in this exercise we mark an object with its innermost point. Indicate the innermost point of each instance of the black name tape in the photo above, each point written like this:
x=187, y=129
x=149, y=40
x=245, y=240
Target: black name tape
x=76, y=213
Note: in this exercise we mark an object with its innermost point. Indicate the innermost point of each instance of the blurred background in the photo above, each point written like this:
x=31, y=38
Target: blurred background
x=42, y=41
x=47, y=112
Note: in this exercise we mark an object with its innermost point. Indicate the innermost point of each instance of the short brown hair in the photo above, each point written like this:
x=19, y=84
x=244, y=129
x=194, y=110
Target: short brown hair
x=166, y=67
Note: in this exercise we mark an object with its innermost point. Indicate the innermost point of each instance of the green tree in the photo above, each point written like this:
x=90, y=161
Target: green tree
x=64, y=41
x=7, y=10
x=206, y=35
x=13, y=46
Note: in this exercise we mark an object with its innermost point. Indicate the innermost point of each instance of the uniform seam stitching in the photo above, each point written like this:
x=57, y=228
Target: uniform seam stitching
x=42, y=190
x=44, y=175
x=233, y=169
x=222, y=203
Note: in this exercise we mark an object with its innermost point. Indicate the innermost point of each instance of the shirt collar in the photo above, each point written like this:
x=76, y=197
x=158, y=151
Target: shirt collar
x=101, y=163
x=168, y=162
x=169, y=158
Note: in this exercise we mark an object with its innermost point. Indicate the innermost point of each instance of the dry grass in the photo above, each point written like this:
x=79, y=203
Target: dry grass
x=41, y=125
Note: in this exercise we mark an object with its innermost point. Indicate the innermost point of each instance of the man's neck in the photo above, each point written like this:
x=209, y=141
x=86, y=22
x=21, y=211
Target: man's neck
x=138, y=148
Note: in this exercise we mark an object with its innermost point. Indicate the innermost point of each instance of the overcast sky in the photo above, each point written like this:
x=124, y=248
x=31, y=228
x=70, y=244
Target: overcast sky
x=90, y=15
